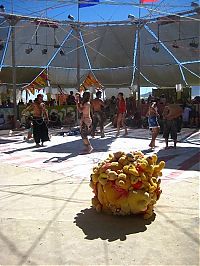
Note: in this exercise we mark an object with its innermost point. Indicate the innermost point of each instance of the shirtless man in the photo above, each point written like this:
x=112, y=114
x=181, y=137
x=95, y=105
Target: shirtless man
x=171, y=113
x=97, y=114
x=40, y=114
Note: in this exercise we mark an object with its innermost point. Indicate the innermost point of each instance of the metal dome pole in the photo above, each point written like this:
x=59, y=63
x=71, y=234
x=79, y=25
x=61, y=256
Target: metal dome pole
x=78, y=51
x=78, y=58
x=13, y=23
x=138, y=60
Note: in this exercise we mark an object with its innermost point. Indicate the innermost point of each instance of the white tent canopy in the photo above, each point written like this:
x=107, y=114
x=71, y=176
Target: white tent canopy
x=109, y=51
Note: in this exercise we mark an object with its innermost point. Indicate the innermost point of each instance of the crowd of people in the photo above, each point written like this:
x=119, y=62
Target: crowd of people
x=156, y=114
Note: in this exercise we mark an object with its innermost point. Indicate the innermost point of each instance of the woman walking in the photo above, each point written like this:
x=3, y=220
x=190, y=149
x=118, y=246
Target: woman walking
x=83, y=107
x=121, y=114
x=153, y=123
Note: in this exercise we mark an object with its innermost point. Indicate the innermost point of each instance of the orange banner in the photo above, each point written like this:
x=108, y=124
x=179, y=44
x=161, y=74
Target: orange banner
x=37, y=83
x=90, y=81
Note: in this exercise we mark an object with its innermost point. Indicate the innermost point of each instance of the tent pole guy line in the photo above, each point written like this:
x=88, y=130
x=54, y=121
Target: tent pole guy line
x=54, y=55
x=176, y=60
x=6, y=47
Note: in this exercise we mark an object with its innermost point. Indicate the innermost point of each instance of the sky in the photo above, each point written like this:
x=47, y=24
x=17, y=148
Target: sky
x=106, y=10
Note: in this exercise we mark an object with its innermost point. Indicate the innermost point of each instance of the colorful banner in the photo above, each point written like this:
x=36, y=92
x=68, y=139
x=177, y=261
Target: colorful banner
x=90, y=81
x=66, y=113
x=87, y=3
x=40, y=81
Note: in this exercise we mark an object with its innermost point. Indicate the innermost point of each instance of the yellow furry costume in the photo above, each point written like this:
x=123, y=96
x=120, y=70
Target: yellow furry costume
x=127, y=184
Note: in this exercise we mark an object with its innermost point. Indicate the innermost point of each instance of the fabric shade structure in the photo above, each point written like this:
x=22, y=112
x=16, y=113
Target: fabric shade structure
x=107, y=50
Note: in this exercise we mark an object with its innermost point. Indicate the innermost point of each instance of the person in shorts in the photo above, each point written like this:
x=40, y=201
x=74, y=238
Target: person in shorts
x=154, y=126
x=83, y=106
x=171, y=113
x=121, y=114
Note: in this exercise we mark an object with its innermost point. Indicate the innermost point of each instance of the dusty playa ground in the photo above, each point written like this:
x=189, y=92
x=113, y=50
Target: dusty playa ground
x=46, y=216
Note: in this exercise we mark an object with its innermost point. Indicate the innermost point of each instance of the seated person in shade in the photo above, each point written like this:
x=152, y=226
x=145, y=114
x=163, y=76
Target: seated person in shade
x=71, y=99
x=2, y=119
x=54, y=119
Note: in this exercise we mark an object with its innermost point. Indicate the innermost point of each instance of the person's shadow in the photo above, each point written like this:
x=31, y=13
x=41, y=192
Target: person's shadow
x=100, y=225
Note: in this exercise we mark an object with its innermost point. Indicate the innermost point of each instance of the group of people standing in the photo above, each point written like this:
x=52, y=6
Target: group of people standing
x=170, y=115
x=92, y=115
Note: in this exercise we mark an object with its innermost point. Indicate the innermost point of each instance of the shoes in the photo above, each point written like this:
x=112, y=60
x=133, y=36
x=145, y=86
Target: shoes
x=38, y=145
x=102, y=135
x=117, y=134
x=86, y=151
x=90, y=149
x=152, y=145
x=167, y=147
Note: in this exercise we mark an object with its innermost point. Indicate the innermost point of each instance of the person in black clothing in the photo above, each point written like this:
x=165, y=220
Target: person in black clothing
x=71, y=99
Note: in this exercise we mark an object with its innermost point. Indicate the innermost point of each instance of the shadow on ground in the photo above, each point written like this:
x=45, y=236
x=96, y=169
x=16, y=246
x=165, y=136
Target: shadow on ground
x=6, y=141
x=109, y=227
x=179, y=152
x=74, y=148
x=171, y=157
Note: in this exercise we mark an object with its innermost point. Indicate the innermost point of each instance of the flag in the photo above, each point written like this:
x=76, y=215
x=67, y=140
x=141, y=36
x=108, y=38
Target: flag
x=148, y=1
x=40, y=81
x=87, y=3
x=90, y=81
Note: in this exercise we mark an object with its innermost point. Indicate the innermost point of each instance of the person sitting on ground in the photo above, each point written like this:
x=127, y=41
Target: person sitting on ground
x=2, y=119
x=54, y=120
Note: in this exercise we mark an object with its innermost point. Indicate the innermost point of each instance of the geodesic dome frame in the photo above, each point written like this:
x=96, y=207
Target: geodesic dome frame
x=169, y=52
